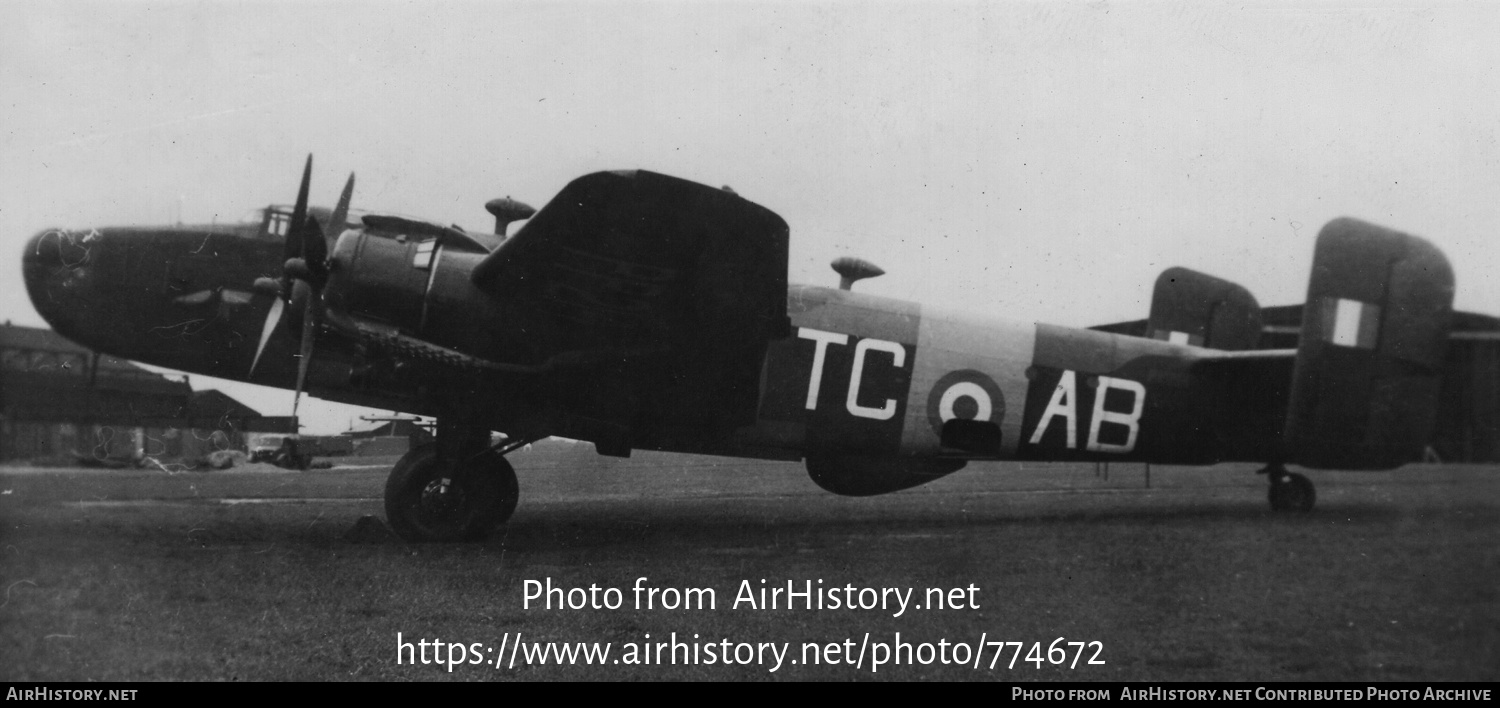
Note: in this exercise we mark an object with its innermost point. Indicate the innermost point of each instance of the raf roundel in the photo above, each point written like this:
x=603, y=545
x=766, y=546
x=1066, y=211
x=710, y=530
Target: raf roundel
x=965, y=394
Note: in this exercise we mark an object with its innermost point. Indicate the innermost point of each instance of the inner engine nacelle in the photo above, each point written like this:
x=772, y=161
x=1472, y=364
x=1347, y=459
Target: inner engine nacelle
x=382, y=279
x=860, y=476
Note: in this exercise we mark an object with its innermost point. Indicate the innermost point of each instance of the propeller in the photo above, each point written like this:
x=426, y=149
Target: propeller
x=303, y=275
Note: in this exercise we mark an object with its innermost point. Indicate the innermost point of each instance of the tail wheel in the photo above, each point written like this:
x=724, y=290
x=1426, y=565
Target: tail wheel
x=429, y=499
x=1292, y=492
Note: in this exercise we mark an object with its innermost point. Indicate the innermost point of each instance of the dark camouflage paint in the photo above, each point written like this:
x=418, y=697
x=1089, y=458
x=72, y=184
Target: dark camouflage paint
x=181, y=298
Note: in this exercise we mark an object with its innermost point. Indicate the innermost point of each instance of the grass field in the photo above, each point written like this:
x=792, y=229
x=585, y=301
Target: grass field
x=248, y=574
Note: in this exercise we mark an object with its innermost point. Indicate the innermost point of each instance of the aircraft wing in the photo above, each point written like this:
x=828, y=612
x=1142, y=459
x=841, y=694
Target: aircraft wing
x=622, y=267
x=632, y=260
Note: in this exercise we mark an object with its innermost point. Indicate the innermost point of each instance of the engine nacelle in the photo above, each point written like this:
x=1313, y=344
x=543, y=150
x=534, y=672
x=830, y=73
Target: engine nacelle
x=861, y=476
x=381, y=279
x=416, y=284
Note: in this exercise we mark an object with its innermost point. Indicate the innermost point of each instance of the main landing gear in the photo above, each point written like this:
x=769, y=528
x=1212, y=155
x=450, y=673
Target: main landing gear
x=456, y=489
x=1289, y=491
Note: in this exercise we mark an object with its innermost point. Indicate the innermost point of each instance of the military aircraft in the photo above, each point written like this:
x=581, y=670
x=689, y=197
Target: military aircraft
x=642, y=311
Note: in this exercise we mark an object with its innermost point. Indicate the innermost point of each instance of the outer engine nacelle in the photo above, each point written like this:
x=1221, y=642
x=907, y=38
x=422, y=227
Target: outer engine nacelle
x=858, y=476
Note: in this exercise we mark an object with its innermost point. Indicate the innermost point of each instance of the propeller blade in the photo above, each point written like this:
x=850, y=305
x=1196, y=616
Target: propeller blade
x=341, y=211
x=315, y=253
x=306, y=270
x=273, y=318
x=294, y=235
x=304, y=294
x=305, y=356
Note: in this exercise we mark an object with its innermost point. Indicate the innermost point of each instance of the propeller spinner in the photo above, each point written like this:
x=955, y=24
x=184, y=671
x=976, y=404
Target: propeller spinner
x=303, y=275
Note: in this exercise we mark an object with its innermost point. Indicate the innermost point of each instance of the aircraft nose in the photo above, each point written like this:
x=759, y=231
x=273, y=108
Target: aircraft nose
x=59, y=248
x=56, y=267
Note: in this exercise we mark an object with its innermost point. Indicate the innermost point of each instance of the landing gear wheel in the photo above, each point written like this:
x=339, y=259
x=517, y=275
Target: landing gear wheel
x=428, y=499
x=1291, y=492
x=493, y=465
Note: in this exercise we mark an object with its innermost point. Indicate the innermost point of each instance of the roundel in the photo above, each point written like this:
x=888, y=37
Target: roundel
x=966, y=394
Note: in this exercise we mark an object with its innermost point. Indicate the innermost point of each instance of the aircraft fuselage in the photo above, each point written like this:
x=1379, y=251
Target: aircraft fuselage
x=859, y=374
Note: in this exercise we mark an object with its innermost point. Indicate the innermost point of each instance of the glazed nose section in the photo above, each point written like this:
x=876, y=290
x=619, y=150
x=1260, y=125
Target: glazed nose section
x=56, y=267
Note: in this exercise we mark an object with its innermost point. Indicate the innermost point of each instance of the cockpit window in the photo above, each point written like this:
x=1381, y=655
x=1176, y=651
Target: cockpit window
x=277, y=220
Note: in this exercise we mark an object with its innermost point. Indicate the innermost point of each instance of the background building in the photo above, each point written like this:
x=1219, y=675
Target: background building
x=387, y=436
x=60, y=402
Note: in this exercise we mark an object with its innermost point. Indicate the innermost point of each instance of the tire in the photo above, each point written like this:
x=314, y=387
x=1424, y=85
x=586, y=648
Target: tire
x=1292, y=492
x=498, y=469
x=427, y=501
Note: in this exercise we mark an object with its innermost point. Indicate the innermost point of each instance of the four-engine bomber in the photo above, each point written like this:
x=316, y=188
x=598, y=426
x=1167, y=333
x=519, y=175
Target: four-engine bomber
x=640, y=311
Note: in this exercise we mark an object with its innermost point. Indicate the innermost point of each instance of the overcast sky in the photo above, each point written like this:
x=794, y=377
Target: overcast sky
x=1037, y=161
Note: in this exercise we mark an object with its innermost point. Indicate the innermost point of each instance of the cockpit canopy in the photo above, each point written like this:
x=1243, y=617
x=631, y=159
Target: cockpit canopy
x=275, y=219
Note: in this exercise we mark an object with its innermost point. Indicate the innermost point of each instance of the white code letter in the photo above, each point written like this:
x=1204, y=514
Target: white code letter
x=852, y=403
x=1131, y=420
x=820, y=354
x=1064, y=403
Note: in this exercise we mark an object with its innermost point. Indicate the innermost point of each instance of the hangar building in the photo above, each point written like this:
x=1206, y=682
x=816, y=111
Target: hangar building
x=60, y=402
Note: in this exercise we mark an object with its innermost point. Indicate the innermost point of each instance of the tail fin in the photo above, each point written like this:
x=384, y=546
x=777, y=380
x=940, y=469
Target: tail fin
x=1369, y=363
x=1194, y=308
